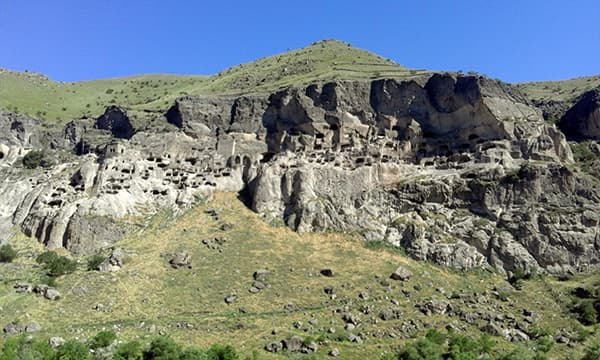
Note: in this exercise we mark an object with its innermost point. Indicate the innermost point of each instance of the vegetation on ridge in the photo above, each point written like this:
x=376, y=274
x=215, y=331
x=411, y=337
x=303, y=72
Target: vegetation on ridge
x=40, y=97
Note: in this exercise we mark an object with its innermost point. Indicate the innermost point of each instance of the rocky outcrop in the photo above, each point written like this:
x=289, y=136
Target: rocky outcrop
x=461, y=171
x=582, y=121
x=117, y=122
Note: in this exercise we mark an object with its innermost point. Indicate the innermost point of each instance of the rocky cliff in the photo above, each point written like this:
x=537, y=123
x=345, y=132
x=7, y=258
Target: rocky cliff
x=462, y=171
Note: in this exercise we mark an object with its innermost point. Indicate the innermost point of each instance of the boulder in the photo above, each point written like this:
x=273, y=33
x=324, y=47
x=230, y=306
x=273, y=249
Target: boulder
x=180, y=260
x=52, y=294
x=401, y=274
x=33, y=327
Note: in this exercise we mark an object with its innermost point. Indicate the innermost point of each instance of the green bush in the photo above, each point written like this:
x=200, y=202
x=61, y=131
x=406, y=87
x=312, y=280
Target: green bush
x=222, y=352
x=422, y=349
x=102, y=340
x=162, y=348
x=587, y=312
x=73, y=350
x=131, y=350
x=192, y=353
x=61, y=266
x=7, y=253
x=94, y=262
x=46, y=257
x=36, y=158
x=592, y=352
x=56, y=265
x=21, y=347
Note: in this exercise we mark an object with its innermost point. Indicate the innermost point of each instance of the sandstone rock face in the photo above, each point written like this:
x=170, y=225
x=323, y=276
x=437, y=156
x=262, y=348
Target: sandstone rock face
x=460, y=171
x=582, y=121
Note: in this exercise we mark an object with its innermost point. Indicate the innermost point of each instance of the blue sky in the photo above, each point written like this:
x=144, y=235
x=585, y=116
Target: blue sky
x=89, y=39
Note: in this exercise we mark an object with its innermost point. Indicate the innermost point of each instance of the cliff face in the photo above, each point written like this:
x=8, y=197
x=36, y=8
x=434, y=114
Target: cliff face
x=460, y=171
x=582, y=121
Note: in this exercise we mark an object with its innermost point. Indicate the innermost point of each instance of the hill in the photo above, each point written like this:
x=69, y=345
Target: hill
x=38, y=96
x=560, y=90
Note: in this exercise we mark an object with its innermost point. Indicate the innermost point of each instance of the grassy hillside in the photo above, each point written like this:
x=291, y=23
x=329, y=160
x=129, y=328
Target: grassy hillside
x=40, y=97
x=147, y=296
x=563, y=90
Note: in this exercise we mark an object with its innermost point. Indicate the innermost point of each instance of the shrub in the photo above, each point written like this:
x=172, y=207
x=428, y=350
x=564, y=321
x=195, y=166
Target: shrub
x=131, y=350
x=592, y=352
x=587, y=312
x=56, y=265
x=46, y=257
x=422, y=349
x=7, y=253
x=73, y=350
x=94, y=262
x=34, y=159
x=23, y=348
x=192, y=353
x=519, y=353
x=102, y=340
x=222, y=352
x=162, y=348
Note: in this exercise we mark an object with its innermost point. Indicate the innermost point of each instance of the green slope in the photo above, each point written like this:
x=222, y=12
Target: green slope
x=563, y=90
x=58, y=102
x=148, y=294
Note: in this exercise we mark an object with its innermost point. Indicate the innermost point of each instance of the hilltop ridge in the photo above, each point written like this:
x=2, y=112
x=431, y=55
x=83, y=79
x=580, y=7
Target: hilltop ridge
x=38, y=96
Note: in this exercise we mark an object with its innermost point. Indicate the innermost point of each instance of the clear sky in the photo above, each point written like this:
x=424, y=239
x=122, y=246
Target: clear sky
x=88, y=39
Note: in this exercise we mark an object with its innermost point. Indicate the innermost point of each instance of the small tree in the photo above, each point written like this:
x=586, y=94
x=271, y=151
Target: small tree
x=102, y=340
x=94, y=262
x=7, y=253
x=131, y=350
x=73, y=350
x=34, y=159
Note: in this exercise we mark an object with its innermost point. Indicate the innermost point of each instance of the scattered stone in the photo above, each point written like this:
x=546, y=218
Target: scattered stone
x=493, y=329
x=334, y=352
x=52, y=294
x=401, y=274
x=261, y=275
x=214, y=213
x=226, y=227
x=435, y=306
x=515, y=335
x=327, y=272
x=293, y=344
x=79, y=291
x=23, y=287
x=114, y=262
x=329, y=290
x=274, y=347
x=355, y=339
x=259, y=285
x=298, y=324
x=389, y=314
x=13, y=329
x=364, y=295
x=215, y=243
x=350, y=318
x=289, y=307
x=254, y=290
x=230, y=299
x=33, y=327
x=56, y=341
x=40, y=289
x=309, y=348
x=180, y=260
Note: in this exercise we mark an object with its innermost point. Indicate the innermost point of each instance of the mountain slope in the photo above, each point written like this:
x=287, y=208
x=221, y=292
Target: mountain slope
x=40, y=97
x=147, y=296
